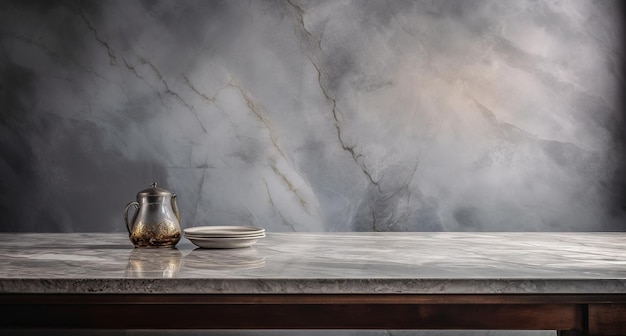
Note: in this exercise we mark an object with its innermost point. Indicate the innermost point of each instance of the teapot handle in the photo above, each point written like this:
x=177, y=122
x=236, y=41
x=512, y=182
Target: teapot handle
x=136, y=204
x=175, y=207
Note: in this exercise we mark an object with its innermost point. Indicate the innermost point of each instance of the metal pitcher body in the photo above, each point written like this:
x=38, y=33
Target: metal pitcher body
x=156, y=222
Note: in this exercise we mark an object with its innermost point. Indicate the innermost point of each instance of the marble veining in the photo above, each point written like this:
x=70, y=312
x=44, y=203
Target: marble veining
x=320, y=263
x=296, y=115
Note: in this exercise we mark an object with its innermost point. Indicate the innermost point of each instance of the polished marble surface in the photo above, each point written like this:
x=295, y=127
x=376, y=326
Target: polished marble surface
x=320, y=263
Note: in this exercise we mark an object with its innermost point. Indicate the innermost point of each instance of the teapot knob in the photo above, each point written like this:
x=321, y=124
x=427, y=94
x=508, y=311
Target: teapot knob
x=154, y=184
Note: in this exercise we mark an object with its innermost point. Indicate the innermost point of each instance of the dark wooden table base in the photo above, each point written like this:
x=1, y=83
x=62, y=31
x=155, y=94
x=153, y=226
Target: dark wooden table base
x=568, y=314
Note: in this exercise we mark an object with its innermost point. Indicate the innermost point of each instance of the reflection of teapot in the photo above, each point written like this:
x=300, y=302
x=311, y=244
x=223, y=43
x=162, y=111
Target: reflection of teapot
x=151, y=263
x=156, y=223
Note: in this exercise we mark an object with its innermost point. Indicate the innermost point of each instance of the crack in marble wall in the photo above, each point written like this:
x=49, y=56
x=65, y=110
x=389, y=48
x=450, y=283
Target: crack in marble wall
x=255, y=110
x=134, y=71
x=519, y=59
x=512, y=134
x=213, y=101
x=505, y=130
x=57, y=58
x=196, y=91
x=291, y=188
x=402, y=198
x=110, y=52
x=175, y=94
x=358, y=158
x=284, y=220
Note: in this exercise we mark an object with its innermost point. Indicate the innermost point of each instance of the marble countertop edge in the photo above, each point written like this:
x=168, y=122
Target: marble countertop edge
x=312, y=286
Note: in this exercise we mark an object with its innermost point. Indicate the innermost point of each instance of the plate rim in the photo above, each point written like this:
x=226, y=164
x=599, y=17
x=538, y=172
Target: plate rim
x=223, y=239
x=223, y=229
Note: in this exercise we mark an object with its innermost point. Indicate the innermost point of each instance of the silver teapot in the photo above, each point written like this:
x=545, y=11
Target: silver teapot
x=156, y=222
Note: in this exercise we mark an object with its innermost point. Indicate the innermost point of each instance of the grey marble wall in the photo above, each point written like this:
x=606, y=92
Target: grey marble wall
x=315, y=115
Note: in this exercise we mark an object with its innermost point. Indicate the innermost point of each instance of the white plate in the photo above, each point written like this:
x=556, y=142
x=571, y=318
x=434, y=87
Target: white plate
x=223, y=242
x=252, y=235
x=230, y=231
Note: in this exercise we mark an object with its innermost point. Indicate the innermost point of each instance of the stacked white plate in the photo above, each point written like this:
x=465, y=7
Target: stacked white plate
x=224, y=236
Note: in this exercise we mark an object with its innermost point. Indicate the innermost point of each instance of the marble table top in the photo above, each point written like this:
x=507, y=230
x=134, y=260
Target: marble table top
x=420, y=263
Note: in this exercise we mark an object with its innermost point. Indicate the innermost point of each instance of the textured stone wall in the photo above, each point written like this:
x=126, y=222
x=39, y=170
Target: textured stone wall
x=314, y=115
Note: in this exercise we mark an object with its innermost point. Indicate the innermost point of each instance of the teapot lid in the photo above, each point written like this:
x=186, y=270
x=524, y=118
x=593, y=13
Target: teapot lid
x=154, y=191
